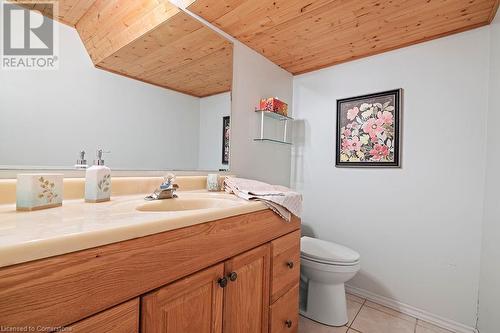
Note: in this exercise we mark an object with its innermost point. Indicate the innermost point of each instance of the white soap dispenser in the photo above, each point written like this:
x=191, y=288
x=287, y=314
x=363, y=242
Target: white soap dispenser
x=98, y=181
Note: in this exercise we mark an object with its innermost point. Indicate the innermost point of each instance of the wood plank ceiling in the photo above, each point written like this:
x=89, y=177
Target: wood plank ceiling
x=152, y=41
x=68, y=11
x=305, y=35
x=155, y=42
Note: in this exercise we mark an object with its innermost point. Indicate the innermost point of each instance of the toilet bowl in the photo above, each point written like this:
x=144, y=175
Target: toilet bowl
x=325, y=267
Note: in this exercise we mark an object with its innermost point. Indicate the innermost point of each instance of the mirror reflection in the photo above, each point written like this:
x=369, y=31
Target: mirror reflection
x=159, y=100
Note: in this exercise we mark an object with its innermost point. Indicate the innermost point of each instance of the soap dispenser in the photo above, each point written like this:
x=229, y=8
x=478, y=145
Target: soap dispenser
x=98, y=181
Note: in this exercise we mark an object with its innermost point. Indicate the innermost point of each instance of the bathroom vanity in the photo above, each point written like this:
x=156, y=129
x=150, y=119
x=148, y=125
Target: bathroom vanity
x=233, y=274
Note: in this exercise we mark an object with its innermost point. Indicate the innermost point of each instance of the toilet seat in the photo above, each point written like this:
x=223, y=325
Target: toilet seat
x=327, y=262
x=330, y=267
x=327, y=253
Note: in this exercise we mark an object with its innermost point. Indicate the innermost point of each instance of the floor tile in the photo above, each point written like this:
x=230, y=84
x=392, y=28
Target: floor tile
x=309, y=326
x=370, y=320
x=355, y=298
x=352, y=310
x=391, y=311
x=425, y=327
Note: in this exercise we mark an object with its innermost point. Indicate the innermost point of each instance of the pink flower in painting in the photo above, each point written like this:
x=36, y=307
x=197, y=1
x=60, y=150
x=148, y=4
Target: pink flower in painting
x=345, y=132
x=344, y=144
x=353, y=144
x=352, y=113
x=379, y=151
x=353, y=126
x=373, y=127
x=386, y=116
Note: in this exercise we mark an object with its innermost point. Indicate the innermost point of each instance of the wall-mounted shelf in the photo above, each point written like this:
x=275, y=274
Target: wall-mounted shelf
x=273, y=115
x=276, y=116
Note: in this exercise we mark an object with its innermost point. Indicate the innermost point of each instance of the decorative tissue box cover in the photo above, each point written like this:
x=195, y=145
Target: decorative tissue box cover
x=39, y=191
x=274, y=105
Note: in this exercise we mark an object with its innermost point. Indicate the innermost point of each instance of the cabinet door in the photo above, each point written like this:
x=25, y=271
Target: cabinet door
x=191, y=305
x=246, y=297
x=284, y=316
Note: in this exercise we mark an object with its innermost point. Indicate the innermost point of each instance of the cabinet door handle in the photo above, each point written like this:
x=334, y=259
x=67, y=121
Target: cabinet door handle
x=222, y=282
x=288, y=323
x=233, y=276
x=290, y=264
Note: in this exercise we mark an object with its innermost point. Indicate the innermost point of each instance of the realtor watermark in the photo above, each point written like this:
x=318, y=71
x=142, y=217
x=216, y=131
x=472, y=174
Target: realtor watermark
x=30, y=39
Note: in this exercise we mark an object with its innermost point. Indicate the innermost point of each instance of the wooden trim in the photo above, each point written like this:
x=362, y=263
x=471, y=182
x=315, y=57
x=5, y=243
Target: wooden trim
x=494, y=11
x=61, y=290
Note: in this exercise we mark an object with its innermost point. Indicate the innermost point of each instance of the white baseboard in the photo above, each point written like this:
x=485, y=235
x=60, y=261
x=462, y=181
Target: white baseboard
x=412, y=311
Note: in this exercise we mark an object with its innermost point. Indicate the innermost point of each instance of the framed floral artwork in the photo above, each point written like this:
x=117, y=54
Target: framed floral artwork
x=368, y=130
x=226, y=128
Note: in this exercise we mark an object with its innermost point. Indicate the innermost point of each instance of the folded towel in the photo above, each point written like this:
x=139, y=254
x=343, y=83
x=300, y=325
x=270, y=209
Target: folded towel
x=280, y=199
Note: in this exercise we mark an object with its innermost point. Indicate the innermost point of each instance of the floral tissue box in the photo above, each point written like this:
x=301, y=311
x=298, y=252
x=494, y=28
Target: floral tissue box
x=39, y=191
x=274, y=105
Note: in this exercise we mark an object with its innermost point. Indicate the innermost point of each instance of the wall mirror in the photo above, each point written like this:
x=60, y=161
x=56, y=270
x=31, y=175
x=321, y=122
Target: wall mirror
x=148, y=82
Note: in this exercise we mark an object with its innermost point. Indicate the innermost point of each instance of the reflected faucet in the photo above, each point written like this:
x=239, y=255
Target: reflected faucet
x=166, y=190
x=81, y=163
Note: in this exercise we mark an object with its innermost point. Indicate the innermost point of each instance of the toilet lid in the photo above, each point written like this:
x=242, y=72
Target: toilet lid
x=324, y=251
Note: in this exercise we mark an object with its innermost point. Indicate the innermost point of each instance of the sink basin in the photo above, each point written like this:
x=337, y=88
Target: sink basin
x=183, y=204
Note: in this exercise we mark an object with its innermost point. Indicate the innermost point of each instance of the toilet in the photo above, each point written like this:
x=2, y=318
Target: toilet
x=325, y=267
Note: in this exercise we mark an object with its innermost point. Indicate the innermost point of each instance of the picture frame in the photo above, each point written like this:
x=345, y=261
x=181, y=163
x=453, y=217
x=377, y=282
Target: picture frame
x=368, y=130
x=226, y=128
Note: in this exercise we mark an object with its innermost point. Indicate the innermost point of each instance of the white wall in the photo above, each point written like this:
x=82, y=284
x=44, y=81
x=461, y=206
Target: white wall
x=418, y=228
x=255, y=77
x=144, y=126
x=212, y=110
x=489, y=292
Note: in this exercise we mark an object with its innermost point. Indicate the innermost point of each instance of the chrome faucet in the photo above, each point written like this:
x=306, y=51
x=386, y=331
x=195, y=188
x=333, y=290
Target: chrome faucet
x=166, y=190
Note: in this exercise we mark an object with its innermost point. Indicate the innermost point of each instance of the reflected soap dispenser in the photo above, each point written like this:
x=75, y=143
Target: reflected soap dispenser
x=98, y=181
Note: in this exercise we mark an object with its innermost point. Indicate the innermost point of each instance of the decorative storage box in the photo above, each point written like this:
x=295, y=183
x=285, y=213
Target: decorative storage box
x=274, y=105
x=39, y=191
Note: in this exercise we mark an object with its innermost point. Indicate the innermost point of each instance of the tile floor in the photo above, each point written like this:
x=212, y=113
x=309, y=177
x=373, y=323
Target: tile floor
x=368, y=317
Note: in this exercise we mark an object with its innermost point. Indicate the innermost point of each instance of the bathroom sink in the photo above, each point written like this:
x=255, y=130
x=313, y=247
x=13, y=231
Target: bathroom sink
x=183, y=204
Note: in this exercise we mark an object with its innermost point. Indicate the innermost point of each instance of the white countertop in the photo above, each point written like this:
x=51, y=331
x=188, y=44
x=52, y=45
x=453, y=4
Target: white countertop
x=26, y=236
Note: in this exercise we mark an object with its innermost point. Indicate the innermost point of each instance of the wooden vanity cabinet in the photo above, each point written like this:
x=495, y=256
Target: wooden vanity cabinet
x=232, y=297
x=235, y=275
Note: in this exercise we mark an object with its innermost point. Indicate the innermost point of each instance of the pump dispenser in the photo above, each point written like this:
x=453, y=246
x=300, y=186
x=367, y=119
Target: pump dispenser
x=98, y=180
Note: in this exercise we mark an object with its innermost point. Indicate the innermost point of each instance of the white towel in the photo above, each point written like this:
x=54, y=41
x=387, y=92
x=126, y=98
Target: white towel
x=280, y=199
